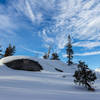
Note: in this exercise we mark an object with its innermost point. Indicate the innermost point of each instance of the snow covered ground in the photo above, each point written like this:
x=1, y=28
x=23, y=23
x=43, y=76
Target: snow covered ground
x=46, y=85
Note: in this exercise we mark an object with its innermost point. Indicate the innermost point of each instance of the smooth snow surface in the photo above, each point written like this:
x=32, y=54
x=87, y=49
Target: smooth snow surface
x=97, y=69
x=46, y=85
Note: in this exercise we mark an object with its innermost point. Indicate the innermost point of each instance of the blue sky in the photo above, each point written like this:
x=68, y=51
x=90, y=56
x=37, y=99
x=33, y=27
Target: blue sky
x=33, y=25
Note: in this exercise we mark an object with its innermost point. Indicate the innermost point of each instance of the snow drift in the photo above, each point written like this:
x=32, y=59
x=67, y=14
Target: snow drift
x=46, y=85
x=48, y=65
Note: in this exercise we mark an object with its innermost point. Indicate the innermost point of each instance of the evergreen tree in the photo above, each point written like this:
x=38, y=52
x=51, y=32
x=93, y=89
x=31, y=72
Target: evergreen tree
x=55, y=56
x=69, y=51
x=1, y=55
x=84, y=76
x=45, y=56
x=10, y=50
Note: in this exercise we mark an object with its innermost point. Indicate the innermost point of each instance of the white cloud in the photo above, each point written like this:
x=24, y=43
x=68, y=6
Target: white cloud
x=84, y=54
x=33, y=51
x=80, y=18
x=61, y=40
x=87, y=44
x=46, y=38
x=95, y=22
x=88, y=53
x=88, y=4
x=30, y=12
x=84, y=23
x=7, y=28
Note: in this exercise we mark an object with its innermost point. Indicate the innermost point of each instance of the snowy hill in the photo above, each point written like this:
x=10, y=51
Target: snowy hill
x=46, y=85
x=48, y=65
x=97, y=69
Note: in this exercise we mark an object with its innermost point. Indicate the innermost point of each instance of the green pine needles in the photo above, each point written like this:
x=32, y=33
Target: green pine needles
x=84, y=76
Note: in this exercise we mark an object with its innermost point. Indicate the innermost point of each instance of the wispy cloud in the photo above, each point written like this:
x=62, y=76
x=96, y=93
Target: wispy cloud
x=79, y=18
x=87, y=44
x=84, y=54
x=33, y=51
x=54, y=19
x=88, y=53
x=46, y=38
x=30, y=12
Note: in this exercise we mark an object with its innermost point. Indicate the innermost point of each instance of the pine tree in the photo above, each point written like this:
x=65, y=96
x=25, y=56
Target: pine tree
x=55, y=56
x=84, y=76
x=10, y=50
x=45, y=56
x=1, y=55
x=69, y=51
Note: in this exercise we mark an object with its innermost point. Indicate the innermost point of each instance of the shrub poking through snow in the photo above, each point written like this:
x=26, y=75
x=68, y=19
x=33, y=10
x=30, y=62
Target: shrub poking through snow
x=84, y=76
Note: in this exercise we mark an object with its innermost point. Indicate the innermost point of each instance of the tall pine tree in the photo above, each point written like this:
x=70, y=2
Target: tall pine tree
x=69, y=51
x=10, y=50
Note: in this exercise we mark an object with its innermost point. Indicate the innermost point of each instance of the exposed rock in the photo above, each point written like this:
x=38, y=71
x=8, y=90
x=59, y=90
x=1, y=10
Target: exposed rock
x=24, y=64
x=59, y=70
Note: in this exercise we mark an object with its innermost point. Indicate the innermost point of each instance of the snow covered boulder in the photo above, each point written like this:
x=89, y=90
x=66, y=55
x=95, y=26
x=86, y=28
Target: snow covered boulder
x=24, y=64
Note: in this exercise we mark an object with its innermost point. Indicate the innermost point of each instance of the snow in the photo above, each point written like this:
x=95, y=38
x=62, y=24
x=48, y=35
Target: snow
x=46, y=85
x=97, y=69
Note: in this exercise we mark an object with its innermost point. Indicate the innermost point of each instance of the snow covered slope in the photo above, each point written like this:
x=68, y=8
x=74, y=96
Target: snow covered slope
x=48, y=65
x=97, y=69
x=45, y=85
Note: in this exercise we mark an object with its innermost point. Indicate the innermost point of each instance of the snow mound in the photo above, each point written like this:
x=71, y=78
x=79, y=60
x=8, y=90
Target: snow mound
x=46, y=85
x=4, y=68
x=97, y=69
x=48, y=65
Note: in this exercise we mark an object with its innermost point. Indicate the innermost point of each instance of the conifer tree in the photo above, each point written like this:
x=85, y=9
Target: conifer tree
x=69, y=51
x=55, y=56
x=84, y=76
x=10, y=50
x=45, y=56
x=1, y=55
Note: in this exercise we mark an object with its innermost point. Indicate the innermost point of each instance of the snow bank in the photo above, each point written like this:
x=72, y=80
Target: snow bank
x=48, y=65
x=97, y=69
x=45, y=85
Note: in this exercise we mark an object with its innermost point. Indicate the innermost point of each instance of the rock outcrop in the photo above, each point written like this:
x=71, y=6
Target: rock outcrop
x=24, y=64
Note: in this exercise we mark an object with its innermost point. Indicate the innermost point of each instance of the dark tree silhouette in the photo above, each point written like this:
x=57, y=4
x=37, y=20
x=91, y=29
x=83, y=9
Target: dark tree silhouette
x=69, y=51
x=84, y=76
x=55, y=56
x=45, y=56
x=10, y=50
x=1, y=55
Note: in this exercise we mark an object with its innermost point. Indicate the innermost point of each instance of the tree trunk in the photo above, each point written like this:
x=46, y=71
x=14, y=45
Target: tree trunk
x=89, y=87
